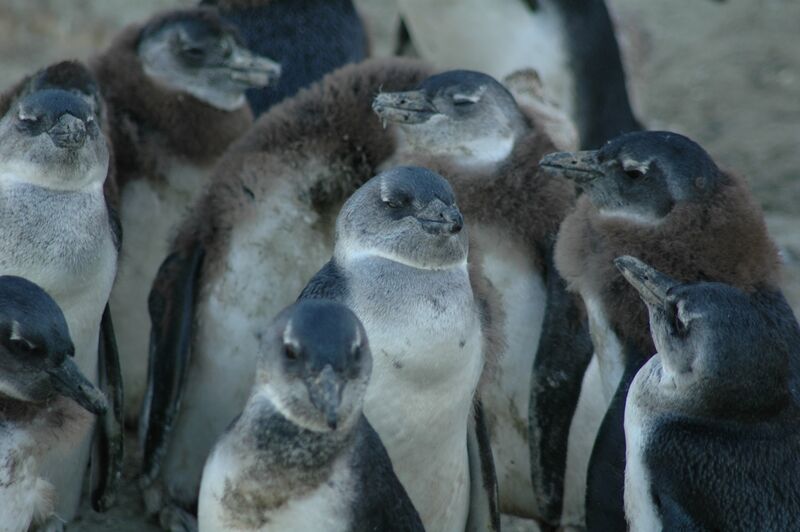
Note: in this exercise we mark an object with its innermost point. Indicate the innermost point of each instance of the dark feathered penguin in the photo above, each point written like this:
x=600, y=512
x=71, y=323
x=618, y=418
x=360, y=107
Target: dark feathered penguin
x=309, y=39
x=175, y=87
x=59, y=230
x=269, y=209
x=712, y=423
x=658, y=196
x=302, y=456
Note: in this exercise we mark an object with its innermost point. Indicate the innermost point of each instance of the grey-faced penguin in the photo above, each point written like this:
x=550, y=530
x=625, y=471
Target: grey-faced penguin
x=309, y=38
x=302, y=456
x=658, y=196
x=271, y=208
x=175, y=88
x=469, y=128
x=571, y=43
x=400, y=263
x=59, y=232
x=712, y=420
x=44, y=400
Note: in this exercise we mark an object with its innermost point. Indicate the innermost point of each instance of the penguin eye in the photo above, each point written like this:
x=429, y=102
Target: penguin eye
x=291, y=352
x=634, y=174
x=464, y=100
x=357, y=353
x=396, y=202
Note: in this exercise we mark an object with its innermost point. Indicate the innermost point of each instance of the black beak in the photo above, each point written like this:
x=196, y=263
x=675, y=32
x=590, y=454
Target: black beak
x=68, y=380
x=252, y=70
x=581, y=166
x=326, y=394
x=410, y=107
x=441, y=219
x=69, y=132
x=651, y=284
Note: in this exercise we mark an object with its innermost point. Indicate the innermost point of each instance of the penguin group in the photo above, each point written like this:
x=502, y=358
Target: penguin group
x=353, y=293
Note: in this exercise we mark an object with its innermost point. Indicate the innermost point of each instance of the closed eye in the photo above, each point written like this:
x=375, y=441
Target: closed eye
x=634, y=173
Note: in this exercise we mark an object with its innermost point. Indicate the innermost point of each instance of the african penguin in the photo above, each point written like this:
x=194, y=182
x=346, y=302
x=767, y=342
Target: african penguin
x=257, y=235
x=309, y=38
x=400, y=263
x=712, y=421
x=469, y=128
x=658, y=196
x=58, y=231
x=44, y=398
x=175, y=87
x=302, y=456
x=570, y=43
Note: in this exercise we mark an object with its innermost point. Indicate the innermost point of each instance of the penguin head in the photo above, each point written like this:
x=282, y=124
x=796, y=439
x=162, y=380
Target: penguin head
x=315, y=365
x=36, y=352
x=640, y=176
x=408, y=215
x=721, y=353
x=51, y=136
x=459, y=113
x=196, y=52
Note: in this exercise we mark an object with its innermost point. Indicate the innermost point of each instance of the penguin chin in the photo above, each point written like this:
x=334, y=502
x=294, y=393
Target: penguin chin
x=628, y=215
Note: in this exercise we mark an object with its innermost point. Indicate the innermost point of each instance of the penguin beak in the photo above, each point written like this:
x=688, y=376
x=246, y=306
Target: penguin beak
x=326, y=395
x=410, y=107
x=580, y=166
x=651, y=284
x=69, y=132
x=440, y=219
x=252, y=70
x=69, y=382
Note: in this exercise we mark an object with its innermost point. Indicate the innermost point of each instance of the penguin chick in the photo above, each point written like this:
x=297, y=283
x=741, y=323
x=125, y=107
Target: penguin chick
x=302, y=456
x=58, y=230
x=400, y=263
x=658, y=196
x=310, y=39
x=43, y=395
x=175, y=87
x=712, y=420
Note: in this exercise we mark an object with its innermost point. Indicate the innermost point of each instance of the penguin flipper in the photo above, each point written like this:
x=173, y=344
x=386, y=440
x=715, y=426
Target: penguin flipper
x=171, y=305
x=328, y=283
x=564, y=352
x=484, y=509
x=108, y=452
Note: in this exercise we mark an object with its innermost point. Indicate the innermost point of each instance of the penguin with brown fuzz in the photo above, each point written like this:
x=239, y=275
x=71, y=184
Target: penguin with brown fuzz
x=660, y=197
x=309, y=39
x=256, y=237
x=59, y=231
x=175, y=87
x=712, y=419
x=302, y=456
x=44, y=400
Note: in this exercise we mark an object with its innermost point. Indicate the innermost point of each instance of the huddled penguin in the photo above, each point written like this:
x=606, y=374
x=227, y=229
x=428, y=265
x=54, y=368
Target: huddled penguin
x=712, y=421
x=58, y=231
x=260, y=232
x=400, y=263
x=44, y=398
x=175, y=89
x=660, y=197
x=571, y=43
x=310, y=39
x=468, y=127
x=302, y=456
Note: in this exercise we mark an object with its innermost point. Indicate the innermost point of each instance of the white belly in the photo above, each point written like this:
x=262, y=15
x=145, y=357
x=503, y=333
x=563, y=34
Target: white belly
x=506, y=397
x=427, y=359
x=271, y=259
x=150, y=212
x=607, y=347
x=326, y=508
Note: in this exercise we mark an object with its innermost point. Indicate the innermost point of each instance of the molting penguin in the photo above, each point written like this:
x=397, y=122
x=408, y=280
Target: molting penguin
x=571, y=44
x=256, y=237
x=400, y=263
x=658, y=196
x=309, y=38
x=43, y=399
x=470, y=129
x=712, y=420
x=302, y=456
x=59, y=231
x=175, y=87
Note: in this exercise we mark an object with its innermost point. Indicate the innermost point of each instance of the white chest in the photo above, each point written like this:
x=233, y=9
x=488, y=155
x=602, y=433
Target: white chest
x=607, y=347
x=426, y=342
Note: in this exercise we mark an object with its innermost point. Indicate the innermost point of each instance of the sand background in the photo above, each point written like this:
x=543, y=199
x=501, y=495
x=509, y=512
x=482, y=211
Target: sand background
x=724, y=73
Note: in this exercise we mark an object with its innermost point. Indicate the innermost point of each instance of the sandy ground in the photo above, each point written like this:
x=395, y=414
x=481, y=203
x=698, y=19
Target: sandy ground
x=727, y=74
